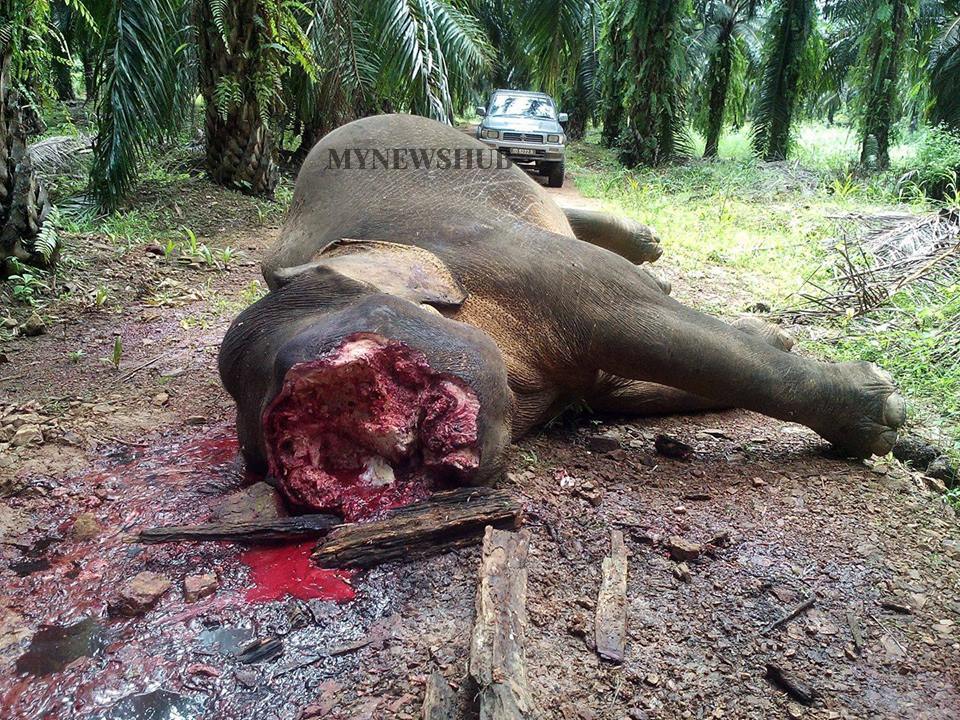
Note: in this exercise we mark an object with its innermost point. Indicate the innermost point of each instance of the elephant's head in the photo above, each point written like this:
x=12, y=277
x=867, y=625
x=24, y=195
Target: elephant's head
x=355, y=399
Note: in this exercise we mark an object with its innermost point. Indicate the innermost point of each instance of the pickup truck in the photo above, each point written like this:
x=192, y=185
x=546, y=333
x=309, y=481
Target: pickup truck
x=526, y=127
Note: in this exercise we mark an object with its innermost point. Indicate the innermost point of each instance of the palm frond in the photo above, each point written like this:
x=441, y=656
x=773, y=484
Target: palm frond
x=554, y=32
x=145, y=92
x=429, y=49
x=52, y=154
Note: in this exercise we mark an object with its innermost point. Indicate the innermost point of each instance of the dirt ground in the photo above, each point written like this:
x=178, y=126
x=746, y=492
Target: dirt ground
x=151, y=442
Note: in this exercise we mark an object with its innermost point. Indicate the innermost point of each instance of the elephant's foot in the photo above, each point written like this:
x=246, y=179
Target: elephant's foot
x=864, y=418
x=368, y=427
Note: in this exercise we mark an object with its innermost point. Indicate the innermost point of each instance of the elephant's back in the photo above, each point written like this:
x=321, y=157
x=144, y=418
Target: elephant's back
x=344, y=190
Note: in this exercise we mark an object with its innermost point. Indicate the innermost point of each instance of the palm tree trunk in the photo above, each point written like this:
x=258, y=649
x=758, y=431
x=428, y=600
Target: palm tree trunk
x=719, y=78
x=240, y=149
x=62, y=80
x=23, y=199
x=880, y=111
x=612, y=52
x=89, y=61
x=652, y=104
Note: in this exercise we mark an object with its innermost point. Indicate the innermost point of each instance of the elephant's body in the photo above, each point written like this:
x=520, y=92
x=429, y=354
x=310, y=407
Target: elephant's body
x=495, y=229
x=366, y=258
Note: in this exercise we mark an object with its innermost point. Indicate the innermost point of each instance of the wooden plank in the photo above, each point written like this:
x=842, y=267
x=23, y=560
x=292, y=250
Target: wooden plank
x=446, y=520
x=497, y=649
x=439, y=701
x=610, y=630
x=302, y=527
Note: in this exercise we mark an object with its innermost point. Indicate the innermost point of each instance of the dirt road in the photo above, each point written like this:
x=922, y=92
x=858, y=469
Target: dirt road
x=148, y=440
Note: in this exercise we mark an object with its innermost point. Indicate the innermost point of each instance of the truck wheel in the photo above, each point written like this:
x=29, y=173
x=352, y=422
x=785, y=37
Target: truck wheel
x=555, y=176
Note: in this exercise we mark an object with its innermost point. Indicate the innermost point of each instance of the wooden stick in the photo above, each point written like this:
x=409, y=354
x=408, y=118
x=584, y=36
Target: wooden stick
x=610, y=630
x=795, y=689
x=791, y=614
x=446, y=520
x=439, y=700
x=302, y=527
x=498, y=664
x=855, y=632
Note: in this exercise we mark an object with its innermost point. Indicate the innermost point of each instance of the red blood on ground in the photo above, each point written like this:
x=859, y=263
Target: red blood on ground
x=369, y=427
x=286, y=570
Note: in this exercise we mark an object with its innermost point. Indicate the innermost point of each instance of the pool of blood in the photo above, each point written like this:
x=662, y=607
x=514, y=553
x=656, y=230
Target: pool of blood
x=75, y=660
x=279, y=571
x=369, y=427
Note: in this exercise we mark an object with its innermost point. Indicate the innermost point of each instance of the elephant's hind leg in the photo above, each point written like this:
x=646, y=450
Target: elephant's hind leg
x=619, y=395
x=649, y=336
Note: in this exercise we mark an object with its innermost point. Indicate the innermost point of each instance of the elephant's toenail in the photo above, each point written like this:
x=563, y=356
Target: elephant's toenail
x=894, y=411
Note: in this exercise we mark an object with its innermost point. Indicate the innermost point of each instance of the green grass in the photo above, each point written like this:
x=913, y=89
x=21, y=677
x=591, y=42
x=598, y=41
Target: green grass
x=764, y=229
x=766, y=225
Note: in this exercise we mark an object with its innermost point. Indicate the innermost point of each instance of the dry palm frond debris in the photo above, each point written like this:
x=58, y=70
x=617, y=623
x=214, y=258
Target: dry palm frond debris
x=53, y=154
x=875, y=257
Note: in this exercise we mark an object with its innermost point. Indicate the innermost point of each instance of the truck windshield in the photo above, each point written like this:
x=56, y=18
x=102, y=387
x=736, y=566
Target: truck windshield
x=522, y=106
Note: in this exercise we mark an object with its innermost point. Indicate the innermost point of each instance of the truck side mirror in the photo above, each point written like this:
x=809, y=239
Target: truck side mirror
x=563, y=117
x=481, y=111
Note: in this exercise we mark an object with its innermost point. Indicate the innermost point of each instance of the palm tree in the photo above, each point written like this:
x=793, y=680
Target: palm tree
x=145, y=84
x=728, y=27
x=788, y=30
x=23, y=199
x=563, y=55
x=613, y=80
x=261, y=65
x=502, y=23
x=548, y=45
x=580, y=98
x=63, y=19
x=651, y=78
x=884, y=25
x=945, y=73
x=243, y=48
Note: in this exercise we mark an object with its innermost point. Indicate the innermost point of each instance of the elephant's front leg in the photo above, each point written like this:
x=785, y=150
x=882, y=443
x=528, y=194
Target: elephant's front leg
x=649, y=336
x=627, y=238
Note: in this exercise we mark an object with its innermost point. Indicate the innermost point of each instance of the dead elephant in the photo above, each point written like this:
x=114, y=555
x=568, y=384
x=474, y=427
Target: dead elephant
x=419, y=319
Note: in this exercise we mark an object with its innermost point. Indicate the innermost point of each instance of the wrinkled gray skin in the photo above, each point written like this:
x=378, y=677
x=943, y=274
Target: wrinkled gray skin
x=537, y=308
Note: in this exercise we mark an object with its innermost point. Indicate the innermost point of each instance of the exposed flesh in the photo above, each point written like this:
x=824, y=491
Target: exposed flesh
x=368, y=427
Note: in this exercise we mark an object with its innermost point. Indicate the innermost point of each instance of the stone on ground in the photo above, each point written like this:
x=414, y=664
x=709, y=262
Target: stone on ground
x=139, y=594
x=33, y=326
x=85, y=527
x=683, y=550
x=196, y=587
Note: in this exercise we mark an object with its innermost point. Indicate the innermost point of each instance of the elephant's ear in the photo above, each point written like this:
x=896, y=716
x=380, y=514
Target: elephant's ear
x=406, y=271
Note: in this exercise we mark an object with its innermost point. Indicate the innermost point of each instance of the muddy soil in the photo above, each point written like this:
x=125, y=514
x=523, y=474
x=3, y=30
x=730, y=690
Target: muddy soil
x=151, y=442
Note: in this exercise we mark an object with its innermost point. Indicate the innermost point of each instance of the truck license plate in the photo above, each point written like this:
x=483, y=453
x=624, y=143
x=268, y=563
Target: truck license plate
x=523, y=151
